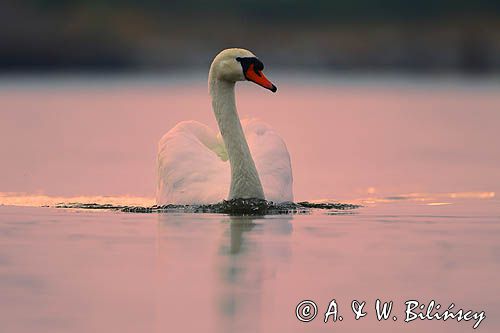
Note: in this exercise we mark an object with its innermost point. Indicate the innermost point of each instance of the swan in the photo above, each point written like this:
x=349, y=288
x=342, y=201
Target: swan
x=196, y=165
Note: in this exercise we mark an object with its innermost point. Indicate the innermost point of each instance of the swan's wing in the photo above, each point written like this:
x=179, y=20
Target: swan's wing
x=192, y=166
x=272, y=160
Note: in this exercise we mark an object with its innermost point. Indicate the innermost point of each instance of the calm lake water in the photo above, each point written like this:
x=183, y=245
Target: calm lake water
x=98, y=271
x=348, y=136
x=422, y=155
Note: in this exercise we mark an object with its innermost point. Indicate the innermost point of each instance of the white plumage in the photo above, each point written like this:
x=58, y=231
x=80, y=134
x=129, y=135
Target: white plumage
x=197, y=165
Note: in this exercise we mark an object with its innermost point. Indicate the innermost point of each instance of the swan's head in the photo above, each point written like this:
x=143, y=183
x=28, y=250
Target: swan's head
x=240, y=65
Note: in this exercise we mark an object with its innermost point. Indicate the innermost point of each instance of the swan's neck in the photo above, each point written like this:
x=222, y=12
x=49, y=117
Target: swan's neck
x=245, y=181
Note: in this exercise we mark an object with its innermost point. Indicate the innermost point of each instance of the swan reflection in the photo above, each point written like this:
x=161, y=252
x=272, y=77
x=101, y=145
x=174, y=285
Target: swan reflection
x=244, y=269
x=226, y=280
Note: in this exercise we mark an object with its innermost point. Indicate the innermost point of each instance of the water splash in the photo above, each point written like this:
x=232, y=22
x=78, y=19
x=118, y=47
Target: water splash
x=252, y=206
x=246, y=206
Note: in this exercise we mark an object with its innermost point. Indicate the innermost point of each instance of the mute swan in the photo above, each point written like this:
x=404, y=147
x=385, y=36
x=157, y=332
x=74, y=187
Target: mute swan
x=197, y=166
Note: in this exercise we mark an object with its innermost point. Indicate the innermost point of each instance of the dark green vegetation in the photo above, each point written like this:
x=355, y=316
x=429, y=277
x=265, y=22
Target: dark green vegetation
x=426, y=35
x=284, y=10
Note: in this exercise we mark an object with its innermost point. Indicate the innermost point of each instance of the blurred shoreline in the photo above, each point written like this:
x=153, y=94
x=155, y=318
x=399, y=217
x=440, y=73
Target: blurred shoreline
x=390, y=36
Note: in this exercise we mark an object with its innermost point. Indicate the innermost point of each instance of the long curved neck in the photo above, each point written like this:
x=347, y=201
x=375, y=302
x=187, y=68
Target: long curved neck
x=245, y=181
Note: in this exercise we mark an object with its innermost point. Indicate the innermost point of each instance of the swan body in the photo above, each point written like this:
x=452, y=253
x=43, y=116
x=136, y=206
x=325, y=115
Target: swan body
x=196, y=165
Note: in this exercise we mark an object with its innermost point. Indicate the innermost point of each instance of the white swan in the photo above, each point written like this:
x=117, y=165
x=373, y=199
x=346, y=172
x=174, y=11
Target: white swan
x=197, y=166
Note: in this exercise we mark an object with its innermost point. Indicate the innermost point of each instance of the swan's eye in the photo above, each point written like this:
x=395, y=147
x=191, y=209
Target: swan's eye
x=259, y=66
x=248, y=62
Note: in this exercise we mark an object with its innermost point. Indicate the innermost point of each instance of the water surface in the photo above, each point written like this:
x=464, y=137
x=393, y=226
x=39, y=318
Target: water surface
x=420, y=153
x=348, y=136
x=96, y=271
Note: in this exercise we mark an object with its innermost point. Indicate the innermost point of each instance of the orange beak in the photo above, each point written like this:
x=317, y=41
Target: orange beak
x=259, y=78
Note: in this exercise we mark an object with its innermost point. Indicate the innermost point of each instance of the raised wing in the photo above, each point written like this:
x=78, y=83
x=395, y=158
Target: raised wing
x=272, y=160
x=192, y=166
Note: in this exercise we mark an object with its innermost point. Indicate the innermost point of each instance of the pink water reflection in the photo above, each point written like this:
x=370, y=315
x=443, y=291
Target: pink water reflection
x=87, y=271
x=347, y=138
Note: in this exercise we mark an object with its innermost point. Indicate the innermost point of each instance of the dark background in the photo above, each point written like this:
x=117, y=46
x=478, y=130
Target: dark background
x=151, y=35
